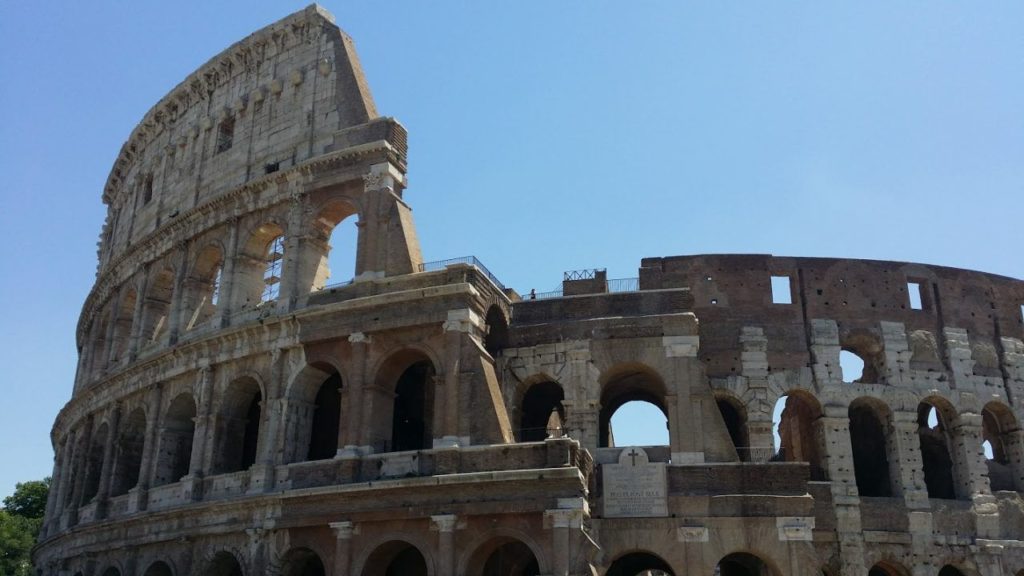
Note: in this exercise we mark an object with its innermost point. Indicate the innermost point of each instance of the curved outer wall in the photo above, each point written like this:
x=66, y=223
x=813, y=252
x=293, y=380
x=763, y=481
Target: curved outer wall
x=238, y=411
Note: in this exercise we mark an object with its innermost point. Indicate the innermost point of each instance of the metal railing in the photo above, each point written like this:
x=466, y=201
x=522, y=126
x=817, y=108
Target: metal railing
x=471, y=260
x=586, y=274
x=624, y=285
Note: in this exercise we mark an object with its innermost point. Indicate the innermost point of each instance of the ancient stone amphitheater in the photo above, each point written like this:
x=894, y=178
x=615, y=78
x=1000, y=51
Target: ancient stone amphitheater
x=235, y=414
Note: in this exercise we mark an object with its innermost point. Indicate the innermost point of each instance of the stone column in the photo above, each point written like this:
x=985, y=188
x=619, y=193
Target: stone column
x=140, y=300
x=343, y=532
x=582, y=421
x=293, y=246
x=905, y=463
x=62, y=482
x=971, y=473
x=140, y=493
x=201, y=438
x=839, y=463
x=461, y=325
x=261, y=474
x=115, y=307
x=897, y=352
x=78, y=481
x=174, y=311
x=445, y=527
x=350, y=436
x=387, y=238
x=825, y=352
x=103, y=493
x=565, y=523
x=226, y=299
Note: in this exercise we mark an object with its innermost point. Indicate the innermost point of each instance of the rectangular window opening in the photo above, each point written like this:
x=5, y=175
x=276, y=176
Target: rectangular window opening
x=782, y=290
x=147, y=191
x=914, y=290
x=225, y=135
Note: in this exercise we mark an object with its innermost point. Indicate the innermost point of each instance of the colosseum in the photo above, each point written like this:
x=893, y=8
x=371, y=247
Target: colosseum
x=236, y=413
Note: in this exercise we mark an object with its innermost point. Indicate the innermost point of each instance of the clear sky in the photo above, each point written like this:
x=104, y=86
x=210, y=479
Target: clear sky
x=547, y=136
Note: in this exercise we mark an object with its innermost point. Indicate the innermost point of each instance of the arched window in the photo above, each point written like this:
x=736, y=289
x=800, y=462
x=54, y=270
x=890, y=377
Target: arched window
x=497, y=331
x=335, y=241
x=394, y=558
x=869, y=438
x=158, y=569
x=273, y=259
x=950, y=570
x=503, y=557
x=1002, y=434
x=202, y=292
x=799, y=434
x=130, y=445
x=94, y=464
x=176, y=440
x=302, y=562
x=633, y=383
x=885, y=568
x=239, y=426
x=640, y=563
x=541, y=403
x=852, y=366
x=735, y=418
x=861, y=358
x=123, y=325
x=223, y=564
x=936, y=458
x=323, y=438
x=743, y=564
x=411, y=423
x=157, y=305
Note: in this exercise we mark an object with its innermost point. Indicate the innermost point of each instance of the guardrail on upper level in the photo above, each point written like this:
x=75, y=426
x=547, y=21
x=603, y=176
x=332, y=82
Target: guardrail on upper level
x=613, y=285
x=471, y=260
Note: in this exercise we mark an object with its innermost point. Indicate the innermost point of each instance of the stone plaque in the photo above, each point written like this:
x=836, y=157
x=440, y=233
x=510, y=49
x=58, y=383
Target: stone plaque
x=635, y=487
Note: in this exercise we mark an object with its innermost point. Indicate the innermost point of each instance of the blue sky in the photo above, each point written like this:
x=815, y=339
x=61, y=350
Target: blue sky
x=547, y=137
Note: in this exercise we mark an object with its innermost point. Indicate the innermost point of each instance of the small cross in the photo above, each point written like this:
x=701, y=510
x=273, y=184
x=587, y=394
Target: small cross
x=632, y=455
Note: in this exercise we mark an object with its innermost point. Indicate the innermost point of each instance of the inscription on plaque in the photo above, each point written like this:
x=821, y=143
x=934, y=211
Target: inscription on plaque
x=635, y=487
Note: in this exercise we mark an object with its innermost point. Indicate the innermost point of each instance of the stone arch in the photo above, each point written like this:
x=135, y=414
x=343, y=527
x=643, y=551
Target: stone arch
x=481, y=549
x=538, y=404
x=223, y=563
x=156, y=306
x=98, y=343
x=131, y=443
x=123, y=320
x=176, y=435
x=744, y=564
x=888, y=568
x=394, y=558
x=871, y=444
x=238, y=425
x=411, y=375
x=302, y=562
x=734, y=415
x=496, y=337
x=94, y=462
x=639, y=562
x=111, y=571
x=628, y=382
x=1002, y=431
x=800, y=432
x=159, y=568
x=315, y=396
x=936, y=440
x=332, y=218
x=954, y=570
x=202, y=286
x=868, y=347
x=258, y=270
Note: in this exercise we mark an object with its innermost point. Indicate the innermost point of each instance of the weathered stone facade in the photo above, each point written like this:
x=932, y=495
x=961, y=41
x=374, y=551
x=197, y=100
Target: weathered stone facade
x=233, y=415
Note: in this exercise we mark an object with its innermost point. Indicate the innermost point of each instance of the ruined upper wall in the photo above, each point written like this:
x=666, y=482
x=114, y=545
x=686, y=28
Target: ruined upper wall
x=275, y=99
x=732, y=291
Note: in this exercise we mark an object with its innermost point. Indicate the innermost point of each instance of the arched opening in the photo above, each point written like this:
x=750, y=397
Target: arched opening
x=497, y=331
x=202, y=288
x=123, y=325
x=302, y=562
x=936, y=458
x=223, y=564
x=1002, y=433
x=541, y=403
x=639, y=564
x=239, y=426
x=503, y=557
x=638, y=423
x=335, y=245
x=94, y=463
x=869, y=424
x=111, y=571
x=413, y=408
x=632, y=383
x=175, y=453
x=78, y=462
x=158, y=568
x=743, y=564
x=157, y=305
x=798, y=432
x=395, y=558
x=130, y=445
x=735, y=418
x=885, y=568
x=950, y=570
x=323, y=438
x=852, y=366
x=258, y=269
